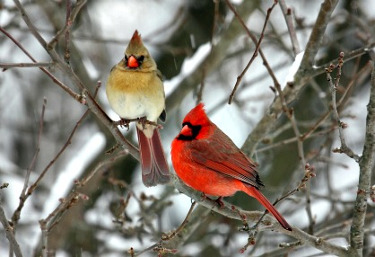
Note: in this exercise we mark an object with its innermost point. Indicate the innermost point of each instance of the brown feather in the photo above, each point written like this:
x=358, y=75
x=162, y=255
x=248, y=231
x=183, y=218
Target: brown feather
x=155, y=169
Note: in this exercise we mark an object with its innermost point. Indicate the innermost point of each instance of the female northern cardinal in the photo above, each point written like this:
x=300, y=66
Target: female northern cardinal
x=135, y=91
x=207, y=160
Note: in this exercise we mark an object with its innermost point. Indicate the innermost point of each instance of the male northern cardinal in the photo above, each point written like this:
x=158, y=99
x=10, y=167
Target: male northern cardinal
x=135, y=91
x=207, y=160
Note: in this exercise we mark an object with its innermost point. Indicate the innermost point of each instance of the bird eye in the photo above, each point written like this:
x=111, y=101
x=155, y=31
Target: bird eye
x=140, y=59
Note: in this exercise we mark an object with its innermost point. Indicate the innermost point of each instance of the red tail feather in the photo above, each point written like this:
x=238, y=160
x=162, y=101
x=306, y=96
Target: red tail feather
x=154, y=165
x=263, y=200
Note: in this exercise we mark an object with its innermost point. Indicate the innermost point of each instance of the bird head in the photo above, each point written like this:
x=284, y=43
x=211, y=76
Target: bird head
x=196, y=124
x=137, y=56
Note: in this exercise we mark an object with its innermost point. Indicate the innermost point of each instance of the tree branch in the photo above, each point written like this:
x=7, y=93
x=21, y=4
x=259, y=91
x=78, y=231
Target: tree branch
x=269, y=223
x=214, y=59
x=287, y=12
x=9, y=232
x=89, y=99
x=366, y=164
x=300, y=79
x=256, y=42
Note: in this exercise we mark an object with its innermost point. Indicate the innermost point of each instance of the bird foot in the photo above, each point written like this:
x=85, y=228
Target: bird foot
x=218, y=201
x=122, y=123
x=125, y=122
x=144, y=121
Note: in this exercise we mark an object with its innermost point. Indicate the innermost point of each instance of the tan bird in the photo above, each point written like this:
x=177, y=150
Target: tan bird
x=135, y=91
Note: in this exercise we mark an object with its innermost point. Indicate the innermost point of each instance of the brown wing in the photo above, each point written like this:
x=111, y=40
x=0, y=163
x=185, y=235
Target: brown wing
x=220, y=154
x=163, y=115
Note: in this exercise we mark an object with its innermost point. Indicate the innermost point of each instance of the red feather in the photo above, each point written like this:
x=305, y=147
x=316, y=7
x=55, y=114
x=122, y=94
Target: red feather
x=207, y=160
x=154, y=165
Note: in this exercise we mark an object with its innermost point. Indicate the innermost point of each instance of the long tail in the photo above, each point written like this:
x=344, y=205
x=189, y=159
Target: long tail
x=154, y=165
x=264, y=201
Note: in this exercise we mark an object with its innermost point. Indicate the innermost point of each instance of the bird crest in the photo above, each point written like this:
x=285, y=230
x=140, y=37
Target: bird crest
x=197, y=116
x=136, y=46
x=136, y=38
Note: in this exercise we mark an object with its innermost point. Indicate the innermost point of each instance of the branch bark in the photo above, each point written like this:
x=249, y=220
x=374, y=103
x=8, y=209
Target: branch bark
x=366, y=164
x=9, y=232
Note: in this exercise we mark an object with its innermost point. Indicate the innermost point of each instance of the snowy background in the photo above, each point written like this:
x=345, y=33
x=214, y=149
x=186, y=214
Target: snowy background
x=179, y=37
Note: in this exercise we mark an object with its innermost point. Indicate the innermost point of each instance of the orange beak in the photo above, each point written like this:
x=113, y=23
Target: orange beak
x=186, y=131
x=133, y=62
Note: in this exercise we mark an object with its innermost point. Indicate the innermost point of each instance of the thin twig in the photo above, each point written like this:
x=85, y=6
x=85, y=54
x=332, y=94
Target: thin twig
x=215, y=20
x=270, y=223
x=300, y=79
x=68, y=25
x=309, y=173
x=62, y=150
x=169, y=236
x=200, y=90
x=89, y=99
x=9, y=232
x=287, y=12
x=7, y=66
x=71, y=15
x=290, y=114
x=348, y=56
x=365, y=70
x=257, y=43
x=333, y=86
x=215, y=58
x=48, y=223
x=294, y=139
x=23, y=196
x=49, y=74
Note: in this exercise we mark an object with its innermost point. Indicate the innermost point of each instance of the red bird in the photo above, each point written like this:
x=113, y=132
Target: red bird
x=207, y=160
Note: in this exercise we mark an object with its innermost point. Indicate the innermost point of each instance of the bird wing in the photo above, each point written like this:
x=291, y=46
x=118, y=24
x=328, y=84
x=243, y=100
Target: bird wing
x=163, y=115
x=159, y=74
x=220, y=154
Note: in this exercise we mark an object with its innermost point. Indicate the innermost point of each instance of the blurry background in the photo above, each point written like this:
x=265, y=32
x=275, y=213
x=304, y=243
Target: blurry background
x=115, y=211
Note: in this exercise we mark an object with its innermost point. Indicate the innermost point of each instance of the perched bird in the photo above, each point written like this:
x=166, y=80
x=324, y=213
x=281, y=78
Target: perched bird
x=207, y=160
x=135, y=91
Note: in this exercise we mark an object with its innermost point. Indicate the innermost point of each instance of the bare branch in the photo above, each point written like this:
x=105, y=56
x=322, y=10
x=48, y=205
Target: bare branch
x=23, y=196
x=49, y=74
x=214, y=59
x=366, y=164
x=257, y=44
x=287, y=12
x=300, y=79
x=88, y=99
x=333, y=86
x=171, y=235
x=269, y=223
x=71, y=16
x=7, y=66
x=9, y=232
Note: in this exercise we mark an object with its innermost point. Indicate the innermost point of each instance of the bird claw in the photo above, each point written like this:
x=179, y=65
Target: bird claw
x=123, y=123
x=218, y=201
x=144, y=121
